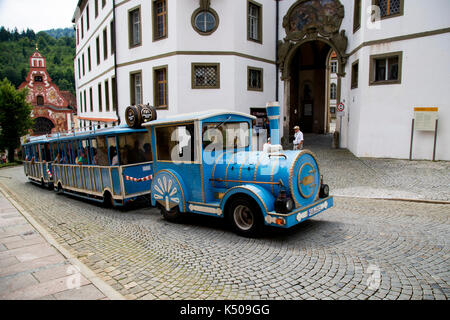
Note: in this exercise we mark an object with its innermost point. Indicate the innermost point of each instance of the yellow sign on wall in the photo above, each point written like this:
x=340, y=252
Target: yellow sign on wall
x=425, y=118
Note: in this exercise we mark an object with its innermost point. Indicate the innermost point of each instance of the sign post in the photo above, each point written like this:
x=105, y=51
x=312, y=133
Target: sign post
x=425, y=119
x=340, y=113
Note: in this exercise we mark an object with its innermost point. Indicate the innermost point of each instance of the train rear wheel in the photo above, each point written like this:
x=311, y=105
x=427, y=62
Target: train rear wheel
x=245, y=217
x=108, y=201
x=172, y=215
x=59, y=189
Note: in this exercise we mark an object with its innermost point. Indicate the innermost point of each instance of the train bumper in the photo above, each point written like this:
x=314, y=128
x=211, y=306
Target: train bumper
x=298, y=215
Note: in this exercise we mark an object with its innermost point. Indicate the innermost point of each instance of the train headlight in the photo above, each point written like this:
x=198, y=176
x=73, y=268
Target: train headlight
x=283, y=204
x=289, y=205
x=324, y=191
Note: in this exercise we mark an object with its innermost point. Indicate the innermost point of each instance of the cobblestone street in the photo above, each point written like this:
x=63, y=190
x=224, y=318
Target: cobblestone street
x=360, y=249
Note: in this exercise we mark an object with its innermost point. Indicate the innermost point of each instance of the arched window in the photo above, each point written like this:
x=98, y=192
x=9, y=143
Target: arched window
x=40, y=100
x=333, y=91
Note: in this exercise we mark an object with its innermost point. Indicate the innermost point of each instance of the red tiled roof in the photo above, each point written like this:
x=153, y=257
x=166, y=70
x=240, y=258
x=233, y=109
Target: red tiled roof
x=70, y=98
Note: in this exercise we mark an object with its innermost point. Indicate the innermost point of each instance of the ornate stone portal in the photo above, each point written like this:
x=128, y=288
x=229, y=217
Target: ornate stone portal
x=309, y=20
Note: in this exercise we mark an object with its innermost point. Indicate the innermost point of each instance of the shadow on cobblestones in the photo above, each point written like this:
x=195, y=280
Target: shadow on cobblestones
x=348, y=175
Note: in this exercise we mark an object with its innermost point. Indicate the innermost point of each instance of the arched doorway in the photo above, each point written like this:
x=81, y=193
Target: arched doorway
x=312, y=34
x=42, y=126
x=308, y=87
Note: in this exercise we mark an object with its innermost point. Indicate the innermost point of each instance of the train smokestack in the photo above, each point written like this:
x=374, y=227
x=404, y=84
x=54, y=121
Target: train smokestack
x=273, y=114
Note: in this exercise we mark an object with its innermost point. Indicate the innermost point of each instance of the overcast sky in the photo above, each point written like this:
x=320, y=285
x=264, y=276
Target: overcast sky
x=37, y=15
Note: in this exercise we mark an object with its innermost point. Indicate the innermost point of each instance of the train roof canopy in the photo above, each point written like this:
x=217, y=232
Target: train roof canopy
x=204, y=115
x=82, y=134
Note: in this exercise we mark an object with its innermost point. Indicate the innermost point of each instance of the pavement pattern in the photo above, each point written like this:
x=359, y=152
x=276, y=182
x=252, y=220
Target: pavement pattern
x=31, y=268
x=359, y=249
x=351, y=176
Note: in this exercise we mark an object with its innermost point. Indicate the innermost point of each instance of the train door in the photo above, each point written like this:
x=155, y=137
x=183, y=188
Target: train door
x=177, y=149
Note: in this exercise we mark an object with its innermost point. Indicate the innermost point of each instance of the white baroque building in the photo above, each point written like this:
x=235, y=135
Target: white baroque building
x=193, y=55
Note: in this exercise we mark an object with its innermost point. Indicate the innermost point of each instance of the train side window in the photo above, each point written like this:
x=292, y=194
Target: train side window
x=69, y=148
x=85, y=147
x=52, y=153
x=75, y=153
x=102, y=152
x=56, y=156
x=27, y=153
x=41, y=152
x=93, y=154
x=134, y=148
x=63, y=150
x=47, y=152
x=37, y=153
x=176, y=143
x=229, y=136
x=68, y=152
x=112, y=152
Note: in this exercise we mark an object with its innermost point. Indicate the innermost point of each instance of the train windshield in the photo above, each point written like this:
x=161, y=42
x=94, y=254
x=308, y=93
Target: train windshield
x=226, y=136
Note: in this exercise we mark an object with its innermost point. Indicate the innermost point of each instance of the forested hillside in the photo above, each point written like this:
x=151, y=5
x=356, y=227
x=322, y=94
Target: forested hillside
x=16, y=48
x=60, y=33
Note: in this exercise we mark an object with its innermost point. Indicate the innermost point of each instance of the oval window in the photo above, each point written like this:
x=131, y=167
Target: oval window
x=205, y=21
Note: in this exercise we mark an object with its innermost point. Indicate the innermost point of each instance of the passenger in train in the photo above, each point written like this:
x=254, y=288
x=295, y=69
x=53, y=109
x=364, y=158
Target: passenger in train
x=82, y=159
x=113, y=155
x=140, y=154
x=147, y=152
x=94, y=158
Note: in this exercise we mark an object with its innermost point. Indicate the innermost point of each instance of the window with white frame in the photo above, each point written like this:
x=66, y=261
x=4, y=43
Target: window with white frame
x=386, y=68
x=333, y=91
x=254, y=79
x=254, y=21
x=333, y=66
x=136, y=88
x=135, y=27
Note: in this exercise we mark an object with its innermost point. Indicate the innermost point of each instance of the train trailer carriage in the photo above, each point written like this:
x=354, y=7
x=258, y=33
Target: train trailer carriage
x=203, y=164
x=37, y=162
x=111, y=165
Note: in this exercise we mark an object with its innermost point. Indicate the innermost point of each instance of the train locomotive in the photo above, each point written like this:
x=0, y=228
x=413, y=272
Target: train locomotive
x=200, y=168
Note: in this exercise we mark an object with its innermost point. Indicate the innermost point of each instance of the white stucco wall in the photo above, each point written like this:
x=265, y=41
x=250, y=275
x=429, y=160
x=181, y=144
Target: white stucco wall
x=378, y=123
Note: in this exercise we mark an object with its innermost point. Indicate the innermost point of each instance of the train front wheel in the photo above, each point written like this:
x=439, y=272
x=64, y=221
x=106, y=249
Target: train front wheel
x=245, y=217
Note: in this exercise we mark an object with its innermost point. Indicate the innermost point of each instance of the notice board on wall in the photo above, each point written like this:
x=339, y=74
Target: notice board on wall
x=425, y=118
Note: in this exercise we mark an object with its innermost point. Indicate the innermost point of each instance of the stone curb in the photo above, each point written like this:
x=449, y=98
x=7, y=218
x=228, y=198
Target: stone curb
x=395, y=199
x=105, y=288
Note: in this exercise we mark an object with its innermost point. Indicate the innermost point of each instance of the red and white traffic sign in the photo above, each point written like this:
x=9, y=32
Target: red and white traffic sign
x=340, y=110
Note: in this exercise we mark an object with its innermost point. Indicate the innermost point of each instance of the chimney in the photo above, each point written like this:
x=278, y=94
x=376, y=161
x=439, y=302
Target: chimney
x=273, y=113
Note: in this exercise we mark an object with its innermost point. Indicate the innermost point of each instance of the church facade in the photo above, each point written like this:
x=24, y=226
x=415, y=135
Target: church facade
x=387, y=56
x=53, y=110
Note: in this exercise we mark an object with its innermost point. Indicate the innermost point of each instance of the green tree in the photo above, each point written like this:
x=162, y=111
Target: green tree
x=15, y=117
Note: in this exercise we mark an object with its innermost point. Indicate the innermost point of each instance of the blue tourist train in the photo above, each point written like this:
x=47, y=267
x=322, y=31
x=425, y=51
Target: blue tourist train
x=199, y=163
x=203, y=163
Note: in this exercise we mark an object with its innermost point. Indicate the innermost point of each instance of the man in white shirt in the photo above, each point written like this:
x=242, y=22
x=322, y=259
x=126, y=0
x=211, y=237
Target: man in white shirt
x=298, y=139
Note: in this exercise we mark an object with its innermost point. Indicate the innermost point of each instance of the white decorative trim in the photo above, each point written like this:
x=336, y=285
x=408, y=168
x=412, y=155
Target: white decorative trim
x=217, y=211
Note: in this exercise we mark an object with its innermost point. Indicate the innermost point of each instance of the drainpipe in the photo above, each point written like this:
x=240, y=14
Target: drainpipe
x=115, y=64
